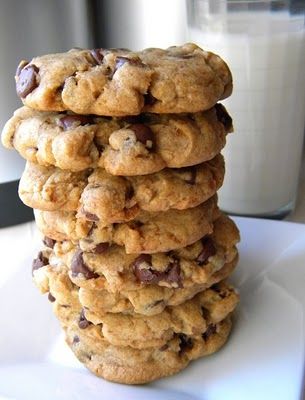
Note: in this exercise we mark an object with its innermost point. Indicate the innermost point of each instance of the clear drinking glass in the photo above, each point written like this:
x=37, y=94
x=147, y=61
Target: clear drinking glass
x=263, y=43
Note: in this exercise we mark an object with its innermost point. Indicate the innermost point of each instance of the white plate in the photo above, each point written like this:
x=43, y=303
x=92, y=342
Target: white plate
x=264, y=358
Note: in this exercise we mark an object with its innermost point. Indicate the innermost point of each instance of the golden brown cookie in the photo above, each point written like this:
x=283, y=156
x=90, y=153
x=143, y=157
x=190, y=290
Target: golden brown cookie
x=122, y=146
x=111, y=281
x=112, y=199
x=126, y=364
x=120, y=82
x=148, y=233
x=190, y=318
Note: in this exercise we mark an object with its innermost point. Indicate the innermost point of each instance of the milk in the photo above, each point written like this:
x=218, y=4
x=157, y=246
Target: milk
x=268, y=109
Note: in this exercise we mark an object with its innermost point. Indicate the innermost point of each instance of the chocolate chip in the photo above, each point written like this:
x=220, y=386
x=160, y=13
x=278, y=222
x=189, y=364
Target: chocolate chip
x=39, y=262
x=49, y=242
x=149, y=276
x=20, y=67
x=149, y=99
x=71, y=121
x=75, y=339
x=120, y=61
x=78, y=266
x=143, y=258
x=208, y=250
x=83, y=323
x=101, y=248
x=223, y=116
x=142, y=273
x=186, y=343
x=98, y=55
x=173, y=273
x=27, y=80
x=211, y=329
x=51, y=298
x=144, y=135
x=90, y=216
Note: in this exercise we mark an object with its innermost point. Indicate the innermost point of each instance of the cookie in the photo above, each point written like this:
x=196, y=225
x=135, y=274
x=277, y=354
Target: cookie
x=112, y=199
x=125, y=364
x=109, y=267
x=190, y=319
x=122, y=146
x=115, y=282
x=149, y=233
x=146, y=300
x=120, y=82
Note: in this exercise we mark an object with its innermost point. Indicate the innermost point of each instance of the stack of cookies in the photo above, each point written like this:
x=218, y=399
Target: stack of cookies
x=123, y=166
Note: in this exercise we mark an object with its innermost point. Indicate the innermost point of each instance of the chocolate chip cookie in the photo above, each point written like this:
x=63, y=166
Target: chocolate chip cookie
x=119, y=82
x=112, y=281
x=149, y=233
x=189, y=318
x=127, y=364
x=113, y=199
x=122, y=146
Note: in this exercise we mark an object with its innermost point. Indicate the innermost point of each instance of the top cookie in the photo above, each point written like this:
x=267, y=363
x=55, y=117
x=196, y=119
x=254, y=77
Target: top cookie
x=120, y=82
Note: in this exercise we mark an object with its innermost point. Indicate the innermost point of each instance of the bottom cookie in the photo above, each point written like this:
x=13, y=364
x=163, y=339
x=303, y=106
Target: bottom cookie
x=128, y=365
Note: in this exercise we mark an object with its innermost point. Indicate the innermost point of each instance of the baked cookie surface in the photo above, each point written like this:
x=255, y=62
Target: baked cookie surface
x=209, y=327
x=112, y=199
x=122, y=146
x=119, y=82
x=150, y=232
x=112, y=281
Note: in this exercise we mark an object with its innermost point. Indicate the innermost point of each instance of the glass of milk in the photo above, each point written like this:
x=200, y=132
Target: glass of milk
x=263, y=43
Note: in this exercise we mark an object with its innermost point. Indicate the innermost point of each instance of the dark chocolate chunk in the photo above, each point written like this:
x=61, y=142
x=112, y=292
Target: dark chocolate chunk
x=98, y=55
x=78, y=266
x=89, y=216
x=173, y=273
x=39, y=262
x=149, y=276
x=101, y=248
x=49, y=242
x=186, y=343
x=83, y=323
x=20, y=67
x=144, y=135
x=145, y=275
x=149, y=99
x=27, y=80
x=51, y=298
x=71, y=121
x=120, y=61
x=208, y=250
